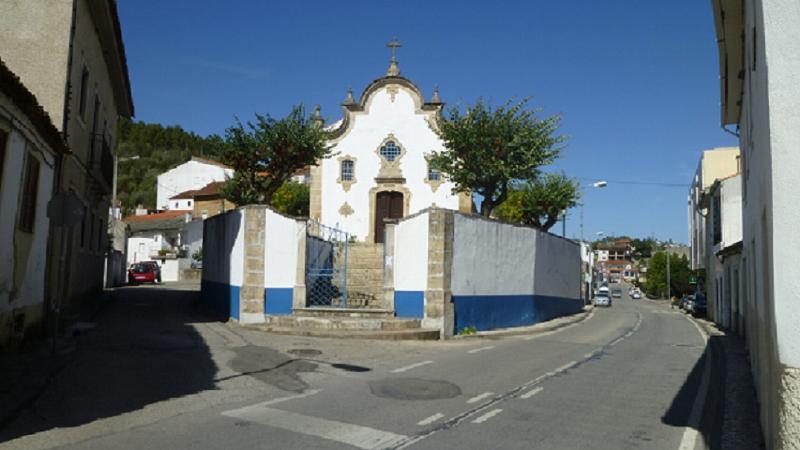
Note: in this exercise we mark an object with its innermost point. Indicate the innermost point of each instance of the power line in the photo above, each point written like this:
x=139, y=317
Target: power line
x=643, y=183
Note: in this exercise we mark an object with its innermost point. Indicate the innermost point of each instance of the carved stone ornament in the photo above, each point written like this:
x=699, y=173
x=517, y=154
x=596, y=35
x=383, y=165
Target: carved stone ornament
x=390, y=152
x=346, y=209
x=392, y=90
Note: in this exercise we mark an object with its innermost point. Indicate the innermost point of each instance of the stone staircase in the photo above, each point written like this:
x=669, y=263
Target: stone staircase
x=364, y=276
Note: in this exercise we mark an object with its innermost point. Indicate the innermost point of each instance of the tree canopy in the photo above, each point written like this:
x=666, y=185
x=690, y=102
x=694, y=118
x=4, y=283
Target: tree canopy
x=486, y=150
x=292, y=198
x=265, y=154
x=657, y=274
x=539, y=203
x=158, y=148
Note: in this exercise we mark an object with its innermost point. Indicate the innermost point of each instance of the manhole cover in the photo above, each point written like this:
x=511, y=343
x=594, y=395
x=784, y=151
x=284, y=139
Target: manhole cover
x=414, y=389
x=304, y=352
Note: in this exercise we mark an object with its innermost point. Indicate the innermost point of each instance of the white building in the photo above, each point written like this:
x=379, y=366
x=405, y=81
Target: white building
x=723, y=226
x=193, y=174
x=30, y=147
x=379, y=169
x=759, y=44
x=160, y=237
x=714, y=164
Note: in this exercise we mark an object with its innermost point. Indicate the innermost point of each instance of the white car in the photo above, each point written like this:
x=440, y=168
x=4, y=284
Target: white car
x=602, y=300
x=636, y=295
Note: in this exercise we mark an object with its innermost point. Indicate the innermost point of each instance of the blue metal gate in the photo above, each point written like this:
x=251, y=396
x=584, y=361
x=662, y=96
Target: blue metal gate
x=326, y=266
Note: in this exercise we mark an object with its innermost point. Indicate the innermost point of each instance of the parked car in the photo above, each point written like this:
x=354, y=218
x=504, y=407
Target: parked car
x=699, y=305
x=156, y=267
x=142, y=273
x=687, y=302
x=636, y=295
x=616, y=293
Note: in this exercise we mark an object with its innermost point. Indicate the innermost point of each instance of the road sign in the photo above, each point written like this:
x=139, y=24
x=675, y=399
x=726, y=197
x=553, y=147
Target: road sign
x=65, y=209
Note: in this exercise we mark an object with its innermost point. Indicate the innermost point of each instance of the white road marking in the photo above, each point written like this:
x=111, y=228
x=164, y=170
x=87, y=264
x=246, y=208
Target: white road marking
x=274, y=401
x=346, y=433
x=412, y=366
x=487, y=416
x=616, y=341
x=478, y=398
x=566, y=366
x=531, y=393
x=431, y=419
x=476, y=350
x=690, y=434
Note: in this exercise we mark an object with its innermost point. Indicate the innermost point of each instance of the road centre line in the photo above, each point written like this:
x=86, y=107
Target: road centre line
x=431, y=419
x=460, y=418
x=487, y=416
x=412, y=366
x=476, y=350
x=531, y=393
x=480, y=397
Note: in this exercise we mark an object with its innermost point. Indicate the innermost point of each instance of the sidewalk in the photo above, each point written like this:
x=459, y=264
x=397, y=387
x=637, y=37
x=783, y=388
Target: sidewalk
x=25, y=373
x=731, y=414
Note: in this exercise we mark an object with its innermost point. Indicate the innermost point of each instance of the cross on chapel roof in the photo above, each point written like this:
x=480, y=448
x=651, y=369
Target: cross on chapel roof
x=394, y=69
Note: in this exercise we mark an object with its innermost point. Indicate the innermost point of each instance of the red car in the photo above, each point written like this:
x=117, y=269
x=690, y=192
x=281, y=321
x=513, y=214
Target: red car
x=142, y=273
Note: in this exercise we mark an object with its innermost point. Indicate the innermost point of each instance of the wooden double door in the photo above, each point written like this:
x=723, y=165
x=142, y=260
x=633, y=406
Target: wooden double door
x=388, y=205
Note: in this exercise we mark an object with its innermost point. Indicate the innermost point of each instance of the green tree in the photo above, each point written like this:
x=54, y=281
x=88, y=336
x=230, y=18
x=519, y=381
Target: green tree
x=486, y=150
x=292, y=198
x=657, y=274
x=266, y=153
x=158, y=148
x=539, y=203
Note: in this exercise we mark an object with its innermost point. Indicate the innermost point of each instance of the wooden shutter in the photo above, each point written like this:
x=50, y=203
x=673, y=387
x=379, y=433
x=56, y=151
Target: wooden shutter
x=29, y=193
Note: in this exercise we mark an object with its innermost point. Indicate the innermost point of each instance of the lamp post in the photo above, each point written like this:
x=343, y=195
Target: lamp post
x=596, y=184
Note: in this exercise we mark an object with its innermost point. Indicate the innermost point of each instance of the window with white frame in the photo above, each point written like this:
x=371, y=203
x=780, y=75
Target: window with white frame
x=347, y=170
x=390, y=151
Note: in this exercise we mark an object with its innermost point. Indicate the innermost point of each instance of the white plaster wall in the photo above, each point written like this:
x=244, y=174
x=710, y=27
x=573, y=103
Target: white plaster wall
x=494, y=258
x=782, y=34
x=180, y=205
x=368, y=130
x=31, y=290
x=169, y=269
x=411, y=254
x=280, y=253
x=140, y=248
x=557, y=267
x=731, y=214
x=187, y=176
x=223, y=258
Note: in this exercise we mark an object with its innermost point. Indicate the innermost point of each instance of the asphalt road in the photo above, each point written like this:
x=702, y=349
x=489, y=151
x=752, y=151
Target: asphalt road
x=157, y=373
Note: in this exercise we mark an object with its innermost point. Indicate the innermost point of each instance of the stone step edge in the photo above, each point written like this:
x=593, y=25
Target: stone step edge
x=418, y=334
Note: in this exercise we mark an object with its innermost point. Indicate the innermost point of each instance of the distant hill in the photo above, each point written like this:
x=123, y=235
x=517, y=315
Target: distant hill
x=159, y=149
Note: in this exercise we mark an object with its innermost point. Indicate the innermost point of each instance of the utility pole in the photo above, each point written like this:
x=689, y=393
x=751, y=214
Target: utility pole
x=669, y=287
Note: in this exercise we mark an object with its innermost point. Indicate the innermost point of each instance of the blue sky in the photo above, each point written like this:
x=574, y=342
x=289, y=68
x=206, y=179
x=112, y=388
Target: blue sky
x=636, y=81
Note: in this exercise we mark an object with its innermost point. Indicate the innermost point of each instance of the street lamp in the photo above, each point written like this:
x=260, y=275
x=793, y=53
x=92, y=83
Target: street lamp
x=596, y=184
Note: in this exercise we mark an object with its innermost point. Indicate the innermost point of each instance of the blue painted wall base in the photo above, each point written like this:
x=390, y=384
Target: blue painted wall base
x=488, y=312
x=410, y=304
x=278, y=301
x=223, y=298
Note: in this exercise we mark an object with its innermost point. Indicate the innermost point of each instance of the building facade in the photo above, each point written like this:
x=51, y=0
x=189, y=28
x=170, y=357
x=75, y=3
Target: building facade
x=30, y=150
x=191, y=175
x=380, y=168
x=713, y=165
x=759, y=49
x=70, y=54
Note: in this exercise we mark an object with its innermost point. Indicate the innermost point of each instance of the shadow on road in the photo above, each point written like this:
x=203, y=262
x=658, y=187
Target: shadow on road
x=729, y=417
x=144, y=350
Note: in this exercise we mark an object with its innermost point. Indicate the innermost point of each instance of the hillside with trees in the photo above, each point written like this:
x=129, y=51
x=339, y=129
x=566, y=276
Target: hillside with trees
x=159, y=149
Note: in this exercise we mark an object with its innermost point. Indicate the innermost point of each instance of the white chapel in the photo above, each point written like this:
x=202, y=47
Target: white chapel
x=379, y=167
